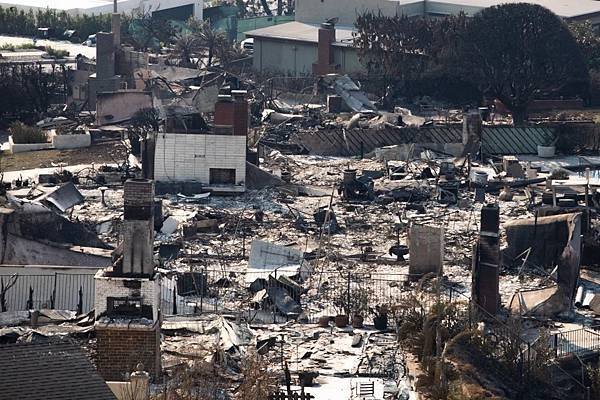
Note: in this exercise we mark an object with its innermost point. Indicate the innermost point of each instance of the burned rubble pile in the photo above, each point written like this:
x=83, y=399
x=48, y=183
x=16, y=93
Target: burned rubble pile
x=353, y=252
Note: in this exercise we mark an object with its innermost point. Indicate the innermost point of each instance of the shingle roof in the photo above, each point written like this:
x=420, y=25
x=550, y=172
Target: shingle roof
x=56, y=371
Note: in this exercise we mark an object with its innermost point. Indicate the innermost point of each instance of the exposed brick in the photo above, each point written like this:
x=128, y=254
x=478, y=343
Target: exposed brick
x=119, y=351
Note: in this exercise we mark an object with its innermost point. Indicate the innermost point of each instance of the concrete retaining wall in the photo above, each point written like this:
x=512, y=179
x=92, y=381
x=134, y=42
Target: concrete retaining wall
x=71, y=141
x=21, y=148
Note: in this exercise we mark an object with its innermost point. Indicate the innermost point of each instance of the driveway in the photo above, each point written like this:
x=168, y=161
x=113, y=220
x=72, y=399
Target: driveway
x=72, y=48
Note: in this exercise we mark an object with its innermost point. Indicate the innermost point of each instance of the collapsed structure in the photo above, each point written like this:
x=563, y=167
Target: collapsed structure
x=349, y=237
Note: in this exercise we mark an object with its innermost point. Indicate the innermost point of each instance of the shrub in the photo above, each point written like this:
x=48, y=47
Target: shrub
x=27, y=46
x=56, y=53
x=23, y=134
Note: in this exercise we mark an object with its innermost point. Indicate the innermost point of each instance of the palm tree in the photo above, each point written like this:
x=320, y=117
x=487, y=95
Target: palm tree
x=186, y=47
x=215, y=42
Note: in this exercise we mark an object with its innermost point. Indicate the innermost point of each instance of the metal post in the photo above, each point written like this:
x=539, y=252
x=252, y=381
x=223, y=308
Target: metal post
x=243, y=243
x=53, y=298
x=202, y=295
x=80, y=303
x=274, y=307
x=175, y=300
x=348, y=295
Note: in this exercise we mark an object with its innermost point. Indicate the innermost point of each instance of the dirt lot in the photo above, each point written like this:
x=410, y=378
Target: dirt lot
x=106, y=153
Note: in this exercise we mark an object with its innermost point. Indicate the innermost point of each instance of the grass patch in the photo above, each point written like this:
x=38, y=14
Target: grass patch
x=55, y=53
x=26, y=46
x=12, y=47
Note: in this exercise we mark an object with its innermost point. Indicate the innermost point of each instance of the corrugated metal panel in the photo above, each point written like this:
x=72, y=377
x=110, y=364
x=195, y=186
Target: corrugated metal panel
x=338, y=142
x=515, y=140
x=64, y=287
x=496, y=140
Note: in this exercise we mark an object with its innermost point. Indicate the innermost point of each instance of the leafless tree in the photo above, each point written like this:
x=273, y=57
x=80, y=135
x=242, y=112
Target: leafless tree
x=4, y=288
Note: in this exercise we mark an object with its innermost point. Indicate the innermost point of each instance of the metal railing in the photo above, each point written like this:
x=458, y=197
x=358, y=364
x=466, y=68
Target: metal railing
x=576, y=342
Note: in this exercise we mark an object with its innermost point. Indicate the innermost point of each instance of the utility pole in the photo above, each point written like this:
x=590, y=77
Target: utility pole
x=115, y=7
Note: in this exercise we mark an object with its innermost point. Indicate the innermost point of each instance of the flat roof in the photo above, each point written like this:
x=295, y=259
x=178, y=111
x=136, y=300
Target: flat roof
x=562, y=8
x=57, y=4
x=301, y=32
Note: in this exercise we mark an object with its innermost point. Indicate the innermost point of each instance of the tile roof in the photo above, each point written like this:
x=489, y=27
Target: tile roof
x=55, y=371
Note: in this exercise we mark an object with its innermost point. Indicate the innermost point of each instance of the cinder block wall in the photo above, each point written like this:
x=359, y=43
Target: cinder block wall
x=188, y=157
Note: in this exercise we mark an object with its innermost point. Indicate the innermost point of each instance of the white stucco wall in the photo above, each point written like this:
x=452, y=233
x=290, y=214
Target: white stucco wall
x=189, y=157
x=317, y=11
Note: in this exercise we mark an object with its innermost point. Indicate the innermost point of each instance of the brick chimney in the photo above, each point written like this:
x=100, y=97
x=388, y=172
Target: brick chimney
x=324, y=64
x=223, y=120
x=240, y=113
x=231, y=114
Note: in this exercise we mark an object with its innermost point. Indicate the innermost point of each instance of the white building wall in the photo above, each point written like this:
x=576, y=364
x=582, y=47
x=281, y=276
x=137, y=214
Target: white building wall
x=317, y=11
x=283, y=56
x=131, y=5
x=296, y=58
x=96, y=7
x=189, y=157
x=106, y=286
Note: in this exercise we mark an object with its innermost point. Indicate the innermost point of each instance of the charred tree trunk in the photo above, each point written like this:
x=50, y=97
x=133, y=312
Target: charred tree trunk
x=265, y=7
x=519, y=115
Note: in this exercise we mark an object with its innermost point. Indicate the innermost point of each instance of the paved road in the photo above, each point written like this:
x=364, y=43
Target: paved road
x=73, y=49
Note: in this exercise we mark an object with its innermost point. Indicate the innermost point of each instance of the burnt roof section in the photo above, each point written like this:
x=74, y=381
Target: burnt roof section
x=49, y=371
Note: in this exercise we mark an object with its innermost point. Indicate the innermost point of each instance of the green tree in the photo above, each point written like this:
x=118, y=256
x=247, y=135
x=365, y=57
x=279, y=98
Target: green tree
x=185, y=49
x=214, y=43
x=513, y=51
x=588, y=41
x=16, y=22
